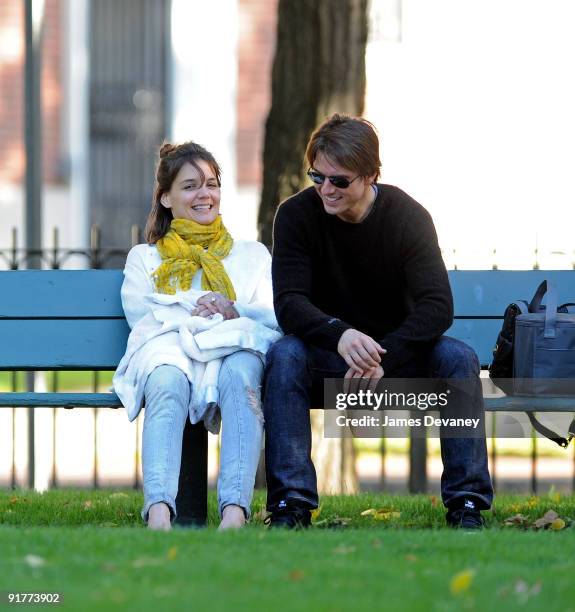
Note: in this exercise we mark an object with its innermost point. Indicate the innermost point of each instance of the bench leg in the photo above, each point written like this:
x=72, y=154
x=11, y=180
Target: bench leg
x=192, y=499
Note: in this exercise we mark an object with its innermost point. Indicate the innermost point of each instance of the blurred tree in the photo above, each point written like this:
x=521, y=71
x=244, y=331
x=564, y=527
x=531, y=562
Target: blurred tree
x=319, y=68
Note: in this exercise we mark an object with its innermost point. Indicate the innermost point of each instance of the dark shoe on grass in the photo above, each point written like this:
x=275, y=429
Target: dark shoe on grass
x=289, y=516
x=465, y=516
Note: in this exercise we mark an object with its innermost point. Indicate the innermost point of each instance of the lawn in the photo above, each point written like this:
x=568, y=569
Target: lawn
x=92, y=548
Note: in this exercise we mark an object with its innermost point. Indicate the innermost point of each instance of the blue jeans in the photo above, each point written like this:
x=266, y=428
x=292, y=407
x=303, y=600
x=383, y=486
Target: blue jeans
x=294, y=382
x=167, y=394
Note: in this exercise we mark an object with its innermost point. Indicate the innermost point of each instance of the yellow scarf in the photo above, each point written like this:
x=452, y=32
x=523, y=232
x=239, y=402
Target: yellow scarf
x=189, y=246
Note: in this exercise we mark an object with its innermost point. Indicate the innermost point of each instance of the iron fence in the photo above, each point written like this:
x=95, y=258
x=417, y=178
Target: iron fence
x=96, y=257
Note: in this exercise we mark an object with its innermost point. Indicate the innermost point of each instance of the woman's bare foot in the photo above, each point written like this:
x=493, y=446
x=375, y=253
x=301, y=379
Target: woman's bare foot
x=159, y=517
x=233, y=517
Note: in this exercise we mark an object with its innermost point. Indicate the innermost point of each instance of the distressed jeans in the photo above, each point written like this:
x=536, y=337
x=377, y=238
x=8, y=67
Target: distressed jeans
x=294, y=382
x=167, y=394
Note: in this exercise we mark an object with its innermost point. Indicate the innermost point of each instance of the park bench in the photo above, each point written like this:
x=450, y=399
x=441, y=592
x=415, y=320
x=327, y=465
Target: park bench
x=73, y=320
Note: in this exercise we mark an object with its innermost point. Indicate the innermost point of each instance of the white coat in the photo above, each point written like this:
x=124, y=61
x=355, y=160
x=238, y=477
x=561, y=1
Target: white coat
x=164, y=333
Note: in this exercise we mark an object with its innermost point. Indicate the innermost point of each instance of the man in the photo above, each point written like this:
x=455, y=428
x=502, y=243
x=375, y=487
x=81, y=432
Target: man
x=360, y=290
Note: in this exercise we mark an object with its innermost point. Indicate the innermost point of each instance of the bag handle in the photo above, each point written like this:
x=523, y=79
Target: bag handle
x=548, y=433
x=546, y=287
x=522, y=305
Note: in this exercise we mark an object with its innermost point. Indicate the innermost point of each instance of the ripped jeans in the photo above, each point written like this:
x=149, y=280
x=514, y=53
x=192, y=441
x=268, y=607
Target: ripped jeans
x=167, y=394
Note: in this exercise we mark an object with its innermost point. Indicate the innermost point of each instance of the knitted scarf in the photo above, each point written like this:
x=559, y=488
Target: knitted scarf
x=188, y=246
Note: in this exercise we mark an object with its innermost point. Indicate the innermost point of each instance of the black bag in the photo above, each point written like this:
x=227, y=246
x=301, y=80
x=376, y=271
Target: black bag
x=502, y=370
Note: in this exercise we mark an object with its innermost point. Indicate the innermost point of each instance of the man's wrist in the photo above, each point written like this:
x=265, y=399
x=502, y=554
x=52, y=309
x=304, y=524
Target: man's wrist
x=334, y=330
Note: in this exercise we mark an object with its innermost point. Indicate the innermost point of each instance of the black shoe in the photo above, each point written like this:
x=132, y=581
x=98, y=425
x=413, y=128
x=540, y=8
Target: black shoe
x=465, y=516
x=289, y=516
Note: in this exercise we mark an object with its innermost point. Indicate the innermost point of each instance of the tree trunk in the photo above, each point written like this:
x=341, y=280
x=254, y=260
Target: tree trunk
x=319, y=69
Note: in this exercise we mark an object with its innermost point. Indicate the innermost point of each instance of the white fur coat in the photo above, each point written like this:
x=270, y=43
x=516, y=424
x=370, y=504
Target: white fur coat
x=164, y=332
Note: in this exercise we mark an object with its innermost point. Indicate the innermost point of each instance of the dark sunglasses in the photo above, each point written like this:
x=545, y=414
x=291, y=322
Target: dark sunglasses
x=341, y=182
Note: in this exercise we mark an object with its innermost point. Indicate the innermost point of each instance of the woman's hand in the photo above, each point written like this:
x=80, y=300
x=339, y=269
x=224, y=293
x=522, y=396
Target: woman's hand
x=360, y=351
x=212, y=303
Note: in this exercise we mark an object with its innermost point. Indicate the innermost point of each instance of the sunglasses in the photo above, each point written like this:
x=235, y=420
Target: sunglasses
x=341, y=182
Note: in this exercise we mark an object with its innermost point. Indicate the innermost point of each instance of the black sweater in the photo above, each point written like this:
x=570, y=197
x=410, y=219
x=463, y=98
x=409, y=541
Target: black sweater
x=384, y=276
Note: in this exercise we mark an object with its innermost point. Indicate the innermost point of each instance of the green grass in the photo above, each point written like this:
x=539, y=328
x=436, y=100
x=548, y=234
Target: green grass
x=65, y=381
x=92, y=547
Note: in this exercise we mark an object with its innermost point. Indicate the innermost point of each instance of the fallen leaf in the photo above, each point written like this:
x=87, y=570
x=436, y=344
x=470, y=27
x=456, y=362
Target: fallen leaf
x=433, y=501
x=532, y=502
x=461, y=582
x=524, y=591
x=260, y=515
x=386, y=515
x=368, y=512
x=87, y=504
x=381, y=514
x=555, y=497
x=172, y=553
x=13, y=500
x=296, y=575
x=557, y=524
x=344, y=550
x=34, y=561
x=146, y=562
x=315, y=513
x=517, y=520
x=546, y=519
x=521, y=586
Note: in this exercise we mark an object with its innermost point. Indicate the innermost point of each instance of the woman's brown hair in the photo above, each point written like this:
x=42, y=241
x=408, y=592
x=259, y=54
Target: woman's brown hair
x=350, y=142
x=171, y=159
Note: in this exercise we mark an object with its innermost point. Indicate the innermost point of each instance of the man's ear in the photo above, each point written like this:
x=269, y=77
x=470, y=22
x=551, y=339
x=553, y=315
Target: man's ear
x=165, y=201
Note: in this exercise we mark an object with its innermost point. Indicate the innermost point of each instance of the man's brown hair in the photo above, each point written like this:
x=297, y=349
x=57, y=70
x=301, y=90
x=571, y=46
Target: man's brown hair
x=350, y=142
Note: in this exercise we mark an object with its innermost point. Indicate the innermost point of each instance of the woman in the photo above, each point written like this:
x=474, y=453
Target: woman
x=200, y=308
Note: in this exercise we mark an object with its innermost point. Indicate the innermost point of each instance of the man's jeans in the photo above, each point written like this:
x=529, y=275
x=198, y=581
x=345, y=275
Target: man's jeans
x=294, y=379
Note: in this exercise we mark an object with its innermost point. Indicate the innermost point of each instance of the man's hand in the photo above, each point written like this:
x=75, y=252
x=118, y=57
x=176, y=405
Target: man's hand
x=360, y=351
x=212, y=303
x=366, y=380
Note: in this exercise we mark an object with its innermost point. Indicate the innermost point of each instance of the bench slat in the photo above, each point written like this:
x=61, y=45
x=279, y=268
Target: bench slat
x=524, y=404
x=93, y=344
x=64, y=400
x=480, y=334
x=60, y=293
x=481, y=293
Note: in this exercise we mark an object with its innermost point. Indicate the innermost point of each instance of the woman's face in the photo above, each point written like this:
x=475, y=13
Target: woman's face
x=190, y=197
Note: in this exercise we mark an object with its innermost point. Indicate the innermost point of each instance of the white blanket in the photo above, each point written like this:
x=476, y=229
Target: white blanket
x=168, y=334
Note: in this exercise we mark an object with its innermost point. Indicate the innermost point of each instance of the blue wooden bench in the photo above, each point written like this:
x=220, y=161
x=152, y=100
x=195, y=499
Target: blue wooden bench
x=73, y=320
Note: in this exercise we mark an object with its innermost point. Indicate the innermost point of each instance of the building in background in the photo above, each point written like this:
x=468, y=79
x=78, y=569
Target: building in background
x=472, y=100
x=117, y=79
